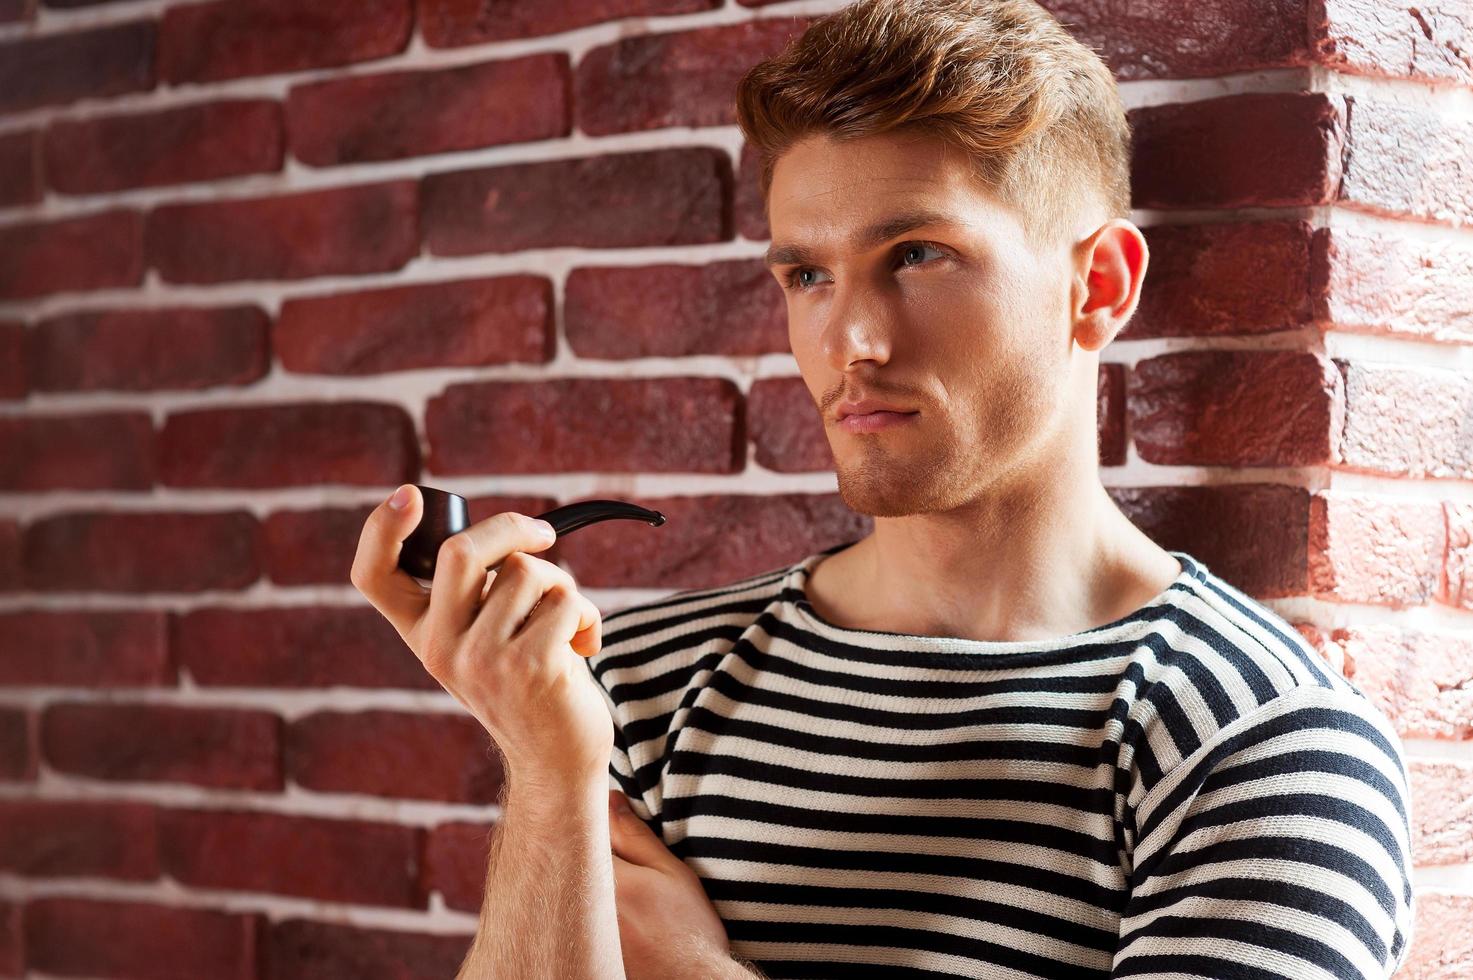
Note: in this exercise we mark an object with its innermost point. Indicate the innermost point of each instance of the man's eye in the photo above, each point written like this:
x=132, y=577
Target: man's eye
x=794, y=280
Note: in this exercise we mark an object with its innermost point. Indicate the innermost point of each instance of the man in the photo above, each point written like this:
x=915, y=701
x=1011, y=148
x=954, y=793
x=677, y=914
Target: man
x=1003, y=735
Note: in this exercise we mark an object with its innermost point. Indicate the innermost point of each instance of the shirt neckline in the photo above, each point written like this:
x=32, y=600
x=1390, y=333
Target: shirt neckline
x=794, y=589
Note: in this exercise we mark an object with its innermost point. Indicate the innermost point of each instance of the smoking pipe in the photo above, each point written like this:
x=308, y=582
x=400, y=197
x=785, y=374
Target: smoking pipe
x=445, y=514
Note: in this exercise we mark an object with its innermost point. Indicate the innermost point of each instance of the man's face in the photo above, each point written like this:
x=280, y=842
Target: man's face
x=956, y=318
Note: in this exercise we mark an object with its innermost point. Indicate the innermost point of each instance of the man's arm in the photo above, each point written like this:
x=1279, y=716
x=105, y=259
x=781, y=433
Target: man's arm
x=548, y=913
x=1279, y=849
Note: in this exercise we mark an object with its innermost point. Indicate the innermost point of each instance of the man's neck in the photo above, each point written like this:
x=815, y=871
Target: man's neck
x=1025, y=567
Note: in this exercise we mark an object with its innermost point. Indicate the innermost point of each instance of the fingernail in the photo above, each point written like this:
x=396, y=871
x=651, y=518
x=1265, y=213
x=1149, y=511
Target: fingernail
x=400, y=498
x=546, y=530
x=621, y=804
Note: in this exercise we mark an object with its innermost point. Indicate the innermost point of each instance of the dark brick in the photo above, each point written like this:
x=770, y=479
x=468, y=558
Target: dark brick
x=1221, y=279
x=205, y=42
x=710, y=539
x=148, y=349
x=1195, y=155
x=457, y=855
x=17, y=750
x=675, y=78
x=92, y=937
x=95, y=451
x=615, y=425
x=93, y=648
x=64, y=67
x=341, y=231
x=142, y=552
x=357, y=861
x=14, y=384
x=1234, y=408
x=219, y=747
x=207, y=141
x=655, y=197
x=96, y=251
x=411, y=113
x=296, y=647
x=445, y=757
x=20, y=168
x=467, y=323
x=669, y=310
x=1253, y=535
x=452, y=23
x=751, y=213
x=1110, y=415
x=786, y=427
x=287, y=445
x=302, y=949
x=67, y=839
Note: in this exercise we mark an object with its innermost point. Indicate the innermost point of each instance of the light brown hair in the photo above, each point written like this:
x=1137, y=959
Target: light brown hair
x=1035, y=110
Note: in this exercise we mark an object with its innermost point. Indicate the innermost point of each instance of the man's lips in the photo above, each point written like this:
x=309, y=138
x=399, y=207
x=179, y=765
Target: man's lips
x=875, y=421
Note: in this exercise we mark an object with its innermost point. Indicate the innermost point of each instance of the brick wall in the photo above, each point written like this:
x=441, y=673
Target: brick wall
x=261, y=261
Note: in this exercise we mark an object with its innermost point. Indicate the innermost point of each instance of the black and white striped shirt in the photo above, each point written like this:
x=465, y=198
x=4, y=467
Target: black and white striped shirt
x=1187, y=791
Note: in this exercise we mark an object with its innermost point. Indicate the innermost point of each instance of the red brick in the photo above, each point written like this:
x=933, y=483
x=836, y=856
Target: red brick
x=614, y=425
x=63, y=67
x=302, y=949
x=1408, y=160
x=411, y=113
x=20, y=168
x=219, y=747
x=695, y=547
x=232, y=38
x=285, y=445
x=654, y=197
x=12, y=10
x=457, y=856
x=83, y=936
x=1430, y=42
x=56, y=839
x=1386, y=284
x=206, y=141
x=1406, y=420
x=466, y=323
x=786, y=429
x=13, y=382
x=186, y=348
x=86, y=648
x=446, y=757
x=317, y=546
x=136, y=551
x=342, y=231
x=1419, y=678
x=17, y=747
x=1442, y=944
x=671, y=310
x=1442, y=812
x=1253, y=535
x=355, y=861
x=1234, y=408
x=1456, y=586
x=96, y=251
x=751, y=213
x=1194, y=155
x=452, y=23
x=94, y=451
x=1110, y=414
x=1222, y=279
x=12, y=949
x=12, y=577
x=1381, y=550
x=296, y=647
x=676, y=78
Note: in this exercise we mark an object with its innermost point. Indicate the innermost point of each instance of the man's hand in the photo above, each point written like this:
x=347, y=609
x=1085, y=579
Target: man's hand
x=668, y=928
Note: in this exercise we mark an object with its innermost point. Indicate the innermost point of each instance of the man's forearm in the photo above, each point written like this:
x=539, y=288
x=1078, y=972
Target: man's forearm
x=548, y=912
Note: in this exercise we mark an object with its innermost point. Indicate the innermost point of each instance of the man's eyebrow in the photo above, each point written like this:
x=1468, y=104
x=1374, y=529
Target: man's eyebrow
x=880, y=231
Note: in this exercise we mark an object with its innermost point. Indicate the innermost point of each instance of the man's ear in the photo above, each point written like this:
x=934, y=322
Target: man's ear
x=1110, y=267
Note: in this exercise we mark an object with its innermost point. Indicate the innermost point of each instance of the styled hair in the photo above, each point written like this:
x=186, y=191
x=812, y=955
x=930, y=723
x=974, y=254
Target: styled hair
x=1036, y=111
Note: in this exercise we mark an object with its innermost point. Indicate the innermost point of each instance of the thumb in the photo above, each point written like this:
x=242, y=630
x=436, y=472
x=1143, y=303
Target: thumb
x=631, y=837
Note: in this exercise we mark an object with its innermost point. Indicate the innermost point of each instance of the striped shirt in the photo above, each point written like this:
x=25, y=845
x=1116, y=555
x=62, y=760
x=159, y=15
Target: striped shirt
x=1189, y=790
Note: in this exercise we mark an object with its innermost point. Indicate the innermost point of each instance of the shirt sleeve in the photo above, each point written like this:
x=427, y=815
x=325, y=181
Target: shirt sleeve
x=621, y=767
x=1280, y=848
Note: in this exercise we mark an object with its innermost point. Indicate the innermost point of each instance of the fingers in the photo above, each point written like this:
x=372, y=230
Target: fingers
x=562, y=614
x=515, y=589
x=461, y=563
x=376, y=572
